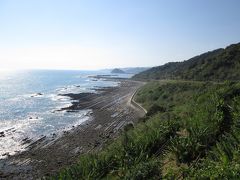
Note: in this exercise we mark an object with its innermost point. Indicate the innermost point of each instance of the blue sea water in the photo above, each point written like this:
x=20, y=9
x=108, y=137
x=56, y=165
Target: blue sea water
x=29, y=101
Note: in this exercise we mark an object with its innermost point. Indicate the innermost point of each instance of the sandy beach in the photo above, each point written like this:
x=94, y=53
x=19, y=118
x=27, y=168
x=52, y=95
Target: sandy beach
x=112, y=109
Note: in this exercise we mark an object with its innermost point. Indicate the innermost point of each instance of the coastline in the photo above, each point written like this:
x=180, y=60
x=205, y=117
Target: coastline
x=111, y=111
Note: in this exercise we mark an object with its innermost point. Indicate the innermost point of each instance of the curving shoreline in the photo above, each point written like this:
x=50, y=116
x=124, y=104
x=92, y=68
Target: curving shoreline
x=111, y=111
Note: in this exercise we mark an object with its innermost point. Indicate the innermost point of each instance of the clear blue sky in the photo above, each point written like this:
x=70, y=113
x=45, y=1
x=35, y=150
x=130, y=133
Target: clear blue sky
x=92, y=34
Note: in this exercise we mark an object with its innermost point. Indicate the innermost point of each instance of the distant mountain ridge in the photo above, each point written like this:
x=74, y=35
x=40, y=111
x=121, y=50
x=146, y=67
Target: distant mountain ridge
x=135, y=70
x=128, y=70
x=117, y=71
x=220, y=64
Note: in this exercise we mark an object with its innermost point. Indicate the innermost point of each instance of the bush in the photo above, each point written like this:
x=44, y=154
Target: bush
x=155, y=109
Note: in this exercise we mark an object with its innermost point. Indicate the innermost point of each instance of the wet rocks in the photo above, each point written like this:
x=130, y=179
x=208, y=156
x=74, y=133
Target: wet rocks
x=96, y=143
x=37, y=94
x=26, y=141
x=2, y=134
x=6, y=154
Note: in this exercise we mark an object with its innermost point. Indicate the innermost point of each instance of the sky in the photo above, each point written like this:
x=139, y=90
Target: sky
x=97, y=34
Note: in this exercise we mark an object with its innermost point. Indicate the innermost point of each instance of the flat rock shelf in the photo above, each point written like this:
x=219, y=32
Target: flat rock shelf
x=111, y=110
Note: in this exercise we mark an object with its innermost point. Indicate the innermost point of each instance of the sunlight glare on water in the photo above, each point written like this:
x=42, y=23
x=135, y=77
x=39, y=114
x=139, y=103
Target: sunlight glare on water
x=30, y=101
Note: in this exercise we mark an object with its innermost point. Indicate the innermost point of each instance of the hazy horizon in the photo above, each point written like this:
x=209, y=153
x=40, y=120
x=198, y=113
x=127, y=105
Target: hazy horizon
x=93, y=35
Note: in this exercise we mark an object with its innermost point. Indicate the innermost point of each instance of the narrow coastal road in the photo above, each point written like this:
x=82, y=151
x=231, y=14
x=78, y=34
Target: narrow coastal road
x=111, y=110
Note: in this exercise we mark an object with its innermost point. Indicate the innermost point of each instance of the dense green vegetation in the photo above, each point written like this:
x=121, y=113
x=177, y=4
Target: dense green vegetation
x=191, y=131
x=221, y=64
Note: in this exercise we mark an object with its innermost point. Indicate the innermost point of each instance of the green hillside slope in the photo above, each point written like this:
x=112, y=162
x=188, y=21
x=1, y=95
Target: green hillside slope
x=220, y=64
x=191, y=131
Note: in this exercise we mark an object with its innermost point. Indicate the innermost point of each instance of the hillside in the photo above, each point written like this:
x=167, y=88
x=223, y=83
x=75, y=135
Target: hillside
x=220, y=64
x=191, y=131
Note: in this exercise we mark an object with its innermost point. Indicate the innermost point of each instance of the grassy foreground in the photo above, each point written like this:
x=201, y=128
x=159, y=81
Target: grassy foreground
x=191, y=131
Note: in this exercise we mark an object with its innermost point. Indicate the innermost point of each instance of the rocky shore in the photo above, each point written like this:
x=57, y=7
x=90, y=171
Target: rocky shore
x=111, y=109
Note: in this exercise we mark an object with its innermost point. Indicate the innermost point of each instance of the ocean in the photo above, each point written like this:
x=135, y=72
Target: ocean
x=30, y=100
